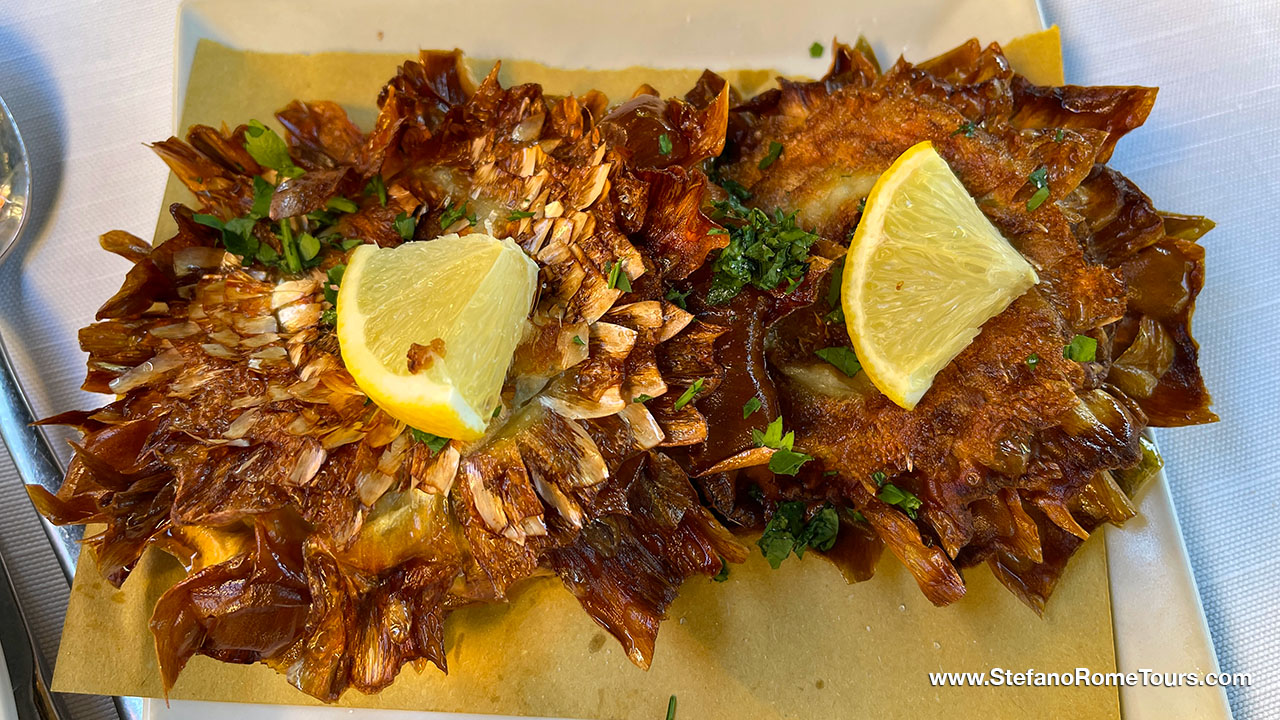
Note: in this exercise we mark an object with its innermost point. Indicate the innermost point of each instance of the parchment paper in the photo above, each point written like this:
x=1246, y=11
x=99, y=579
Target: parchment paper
x=797, y=642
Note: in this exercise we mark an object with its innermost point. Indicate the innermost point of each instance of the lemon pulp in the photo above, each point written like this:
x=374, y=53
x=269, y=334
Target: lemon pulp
x=463, y=299
x=924, y=271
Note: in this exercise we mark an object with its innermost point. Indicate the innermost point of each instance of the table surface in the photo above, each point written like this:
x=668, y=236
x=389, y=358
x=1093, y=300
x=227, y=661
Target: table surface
x=88, y=82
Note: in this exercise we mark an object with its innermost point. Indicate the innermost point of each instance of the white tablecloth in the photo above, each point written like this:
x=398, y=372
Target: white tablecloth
x=90, y=81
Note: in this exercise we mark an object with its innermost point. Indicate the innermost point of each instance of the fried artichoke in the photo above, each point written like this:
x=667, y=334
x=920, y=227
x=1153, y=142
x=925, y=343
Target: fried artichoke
x=325, y=539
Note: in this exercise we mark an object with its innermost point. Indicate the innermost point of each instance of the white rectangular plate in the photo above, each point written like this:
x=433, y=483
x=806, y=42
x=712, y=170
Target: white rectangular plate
x=1159, y=622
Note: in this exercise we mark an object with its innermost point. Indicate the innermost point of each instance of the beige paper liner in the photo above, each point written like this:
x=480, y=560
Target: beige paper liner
x=797, y=642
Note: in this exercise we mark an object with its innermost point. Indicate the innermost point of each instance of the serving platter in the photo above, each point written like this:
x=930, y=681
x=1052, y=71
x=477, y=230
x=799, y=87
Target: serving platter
x=1158, y=620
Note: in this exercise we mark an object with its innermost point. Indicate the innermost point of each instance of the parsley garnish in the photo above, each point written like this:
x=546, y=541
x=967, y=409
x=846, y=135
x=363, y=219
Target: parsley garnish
x=453, y=214
x=878, y=477
x=836, y=315
x=434, y=442
x=787, y=532
x=1082, y=348
x=341, y=204
x=289, y=247
x=785, y=460
x=1039, y=179
x=405, y=225
x=617, y=278
x=664, y=144
x=641, y=398
x=1057, y=137
x=689, y=394
x=724, y=572
x=966, y=129
x=496, y=412
x=577, y=340
x=334, y=282
x=237, y=234
x=308, y=247
x=377, y=186
x=737, y=191
x=1033, y=360
x=894, y=495
x=763, y=252
x=262, y=192
x=815, y=50
x=751, y=406
x=520, y=214
x=842, y=358
x=269, y=150
x=775, y=151
x=677, y=298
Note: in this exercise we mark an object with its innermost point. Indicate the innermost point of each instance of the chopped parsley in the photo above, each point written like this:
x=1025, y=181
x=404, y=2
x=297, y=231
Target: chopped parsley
x=433, y=442
x=262, y=192
x=689, y=394
x=1033, y=360
x=785, y=460
x=751, y=406
x=787, y=532
x=453, y=214
x=878, y=477
x=842, y=358
x=520, y=214
x=894, y=495
x=664, y=144
x=678, y=298
x=341, y=204
x=764, y=252
x=334, y=280
x=577, y=340
x=496, y=412
x=815, y=50
x=269, y=150
x=775, y=151
x=308, y=247
x=1057, y=137
x=617, y=278
x=289, y=247
x=836, y=315
x=377, y=187
x=1039, y=179
x=724, y=572
x=735, y=189
x=405, y=225
x=966, y=129
x=641, y=398
x=1082, y=348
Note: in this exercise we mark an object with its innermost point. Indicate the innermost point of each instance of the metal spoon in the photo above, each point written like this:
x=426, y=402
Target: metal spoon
x=28, y=669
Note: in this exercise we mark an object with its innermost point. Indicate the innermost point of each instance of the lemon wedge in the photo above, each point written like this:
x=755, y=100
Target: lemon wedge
x=924, y=271
x=428, y=329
